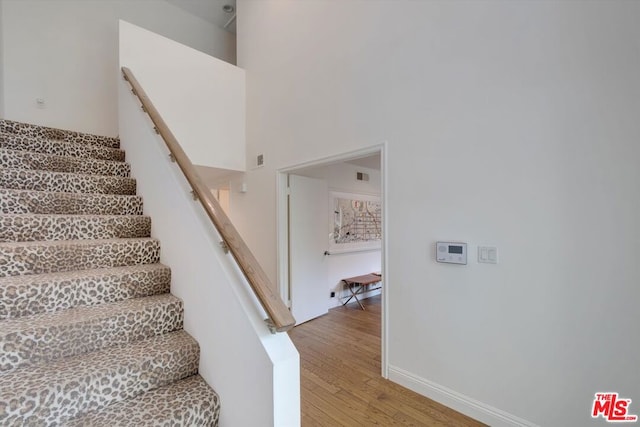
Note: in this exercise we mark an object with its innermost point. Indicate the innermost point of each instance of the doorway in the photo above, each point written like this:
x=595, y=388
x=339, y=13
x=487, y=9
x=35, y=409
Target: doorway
x=359, y=175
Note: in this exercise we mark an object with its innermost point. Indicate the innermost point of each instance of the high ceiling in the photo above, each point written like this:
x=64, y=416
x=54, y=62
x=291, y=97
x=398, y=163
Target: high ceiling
x=209, y=10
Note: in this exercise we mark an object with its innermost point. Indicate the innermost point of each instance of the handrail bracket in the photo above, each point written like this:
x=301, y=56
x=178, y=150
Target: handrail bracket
x=271, y=326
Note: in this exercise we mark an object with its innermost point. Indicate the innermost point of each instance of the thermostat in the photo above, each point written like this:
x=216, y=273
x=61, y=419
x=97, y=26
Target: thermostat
x=450, y=252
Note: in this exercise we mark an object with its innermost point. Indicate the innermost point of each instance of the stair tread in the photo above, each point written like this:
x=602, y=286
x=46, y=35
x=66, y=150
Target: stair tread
x=20, y=159
x=79, y=216
x=75, y=274
x=22, y=258
x=44, y=293
x=45, y=337
x=60, y=148
x=68, y=243
x=40, y=227
x=188, y=402
x=67, y=182
x=68, y=174
x=54, y=392
x=40, y=131
x=25, y=201
x=82, y=314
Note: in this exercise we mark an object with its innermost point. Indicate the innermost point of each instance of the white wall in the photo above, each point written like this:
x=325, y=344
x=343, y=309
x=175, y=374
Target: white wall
x=341, y=177
x=66, y=52
x=200, y=98
x=512, y=124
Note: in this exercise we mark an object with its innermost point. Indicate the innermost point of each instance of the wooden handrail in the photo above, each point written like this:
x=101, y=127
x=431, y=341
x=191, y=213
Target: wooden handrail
x=280, y=318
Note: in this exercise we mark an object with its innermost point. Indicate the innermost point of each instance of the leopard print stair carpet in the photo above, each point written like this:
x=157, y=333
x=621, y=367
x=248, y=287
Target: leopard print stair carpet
x=89, y=333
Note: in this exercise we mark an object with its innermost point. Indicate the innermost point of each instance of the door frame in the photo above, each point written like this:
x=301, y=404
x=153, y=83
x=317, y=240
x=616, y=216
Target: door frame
x=282, y=230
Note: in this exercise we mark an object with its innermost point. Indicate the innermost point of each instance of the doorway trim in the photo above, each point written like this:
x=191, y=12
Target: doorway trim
x=282, y=230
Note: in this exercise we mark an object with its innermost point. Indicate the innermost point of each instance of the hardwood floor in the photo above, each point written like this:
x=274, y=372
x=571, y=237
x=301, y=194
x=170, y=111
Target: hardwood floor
x=340, y=376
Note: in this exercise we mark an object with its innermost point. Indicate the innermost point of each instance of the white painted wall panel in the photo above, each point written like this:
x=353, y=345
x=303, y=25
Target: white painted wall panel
x=201, y=98
x=66, y=52
x=512, y=124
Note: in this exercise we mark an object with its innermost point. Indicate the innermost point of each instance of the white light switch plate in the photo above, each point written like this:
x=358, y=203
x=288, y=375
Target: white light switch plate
x=487, y=254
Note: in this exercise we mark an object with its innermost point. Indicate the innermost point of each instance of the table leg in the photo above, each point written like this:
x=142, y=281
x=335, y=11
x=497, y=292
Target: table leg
x=348, y=299
x=359, y=288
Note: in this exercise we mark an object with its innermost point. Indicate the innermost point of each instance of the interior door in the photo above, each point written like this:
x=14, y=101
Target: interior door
x=308, y=240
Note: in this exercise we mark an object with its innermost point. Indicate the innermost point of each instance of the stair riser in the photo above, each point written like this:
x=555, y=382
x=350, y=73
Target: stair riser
x=189, y=402
x=23, y=344
x=80, y=227
x=49, y=293
x=63, y=182
x=36, y=131
x=57, y=148
x=14, y=159
x=35, y=202
x=39, y=258
x=50, y=394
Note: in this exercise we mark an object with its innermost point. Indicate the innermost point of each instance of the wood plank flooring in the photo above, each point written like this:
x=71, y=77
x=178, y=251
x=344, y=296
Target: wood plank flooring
x=340, y=376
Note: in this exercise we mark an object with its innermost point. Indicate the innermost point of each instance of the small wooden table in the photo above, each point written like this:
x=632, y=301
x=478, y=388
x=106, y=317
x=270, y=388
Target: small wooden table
x=357, y=285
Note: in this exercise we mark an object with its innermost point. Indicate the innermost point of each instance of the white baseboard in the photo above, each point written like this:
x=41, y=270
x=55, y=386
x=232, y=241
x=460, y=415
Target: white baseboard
x=454, y=400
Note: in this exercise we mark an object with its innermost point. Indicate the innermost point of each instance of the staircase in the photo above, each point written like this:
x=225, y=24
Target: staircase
x=89, y=333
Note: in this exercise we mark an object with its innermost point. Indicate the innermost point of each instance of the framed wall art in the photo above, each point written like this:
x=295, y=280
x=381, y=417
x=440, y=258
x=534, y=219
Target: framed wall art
x=355, y=221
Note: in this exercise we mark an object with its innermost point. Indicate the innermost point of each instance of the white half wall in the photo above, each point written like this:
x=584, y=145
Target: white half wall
x=507, y=124
x=256, y=373
x=201, y=98
x=66, y=53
